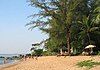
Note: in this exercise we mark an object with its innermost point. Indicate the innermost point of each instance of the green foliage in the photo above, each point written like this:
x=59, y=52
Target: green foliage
x=36, y=44
x=87, y=27
x=98, y=52
x=48, y=53
x=33, y=54
x=97, y=12
x=38, y=52
x=88, y=63
x=70, y=23
x=28, y=55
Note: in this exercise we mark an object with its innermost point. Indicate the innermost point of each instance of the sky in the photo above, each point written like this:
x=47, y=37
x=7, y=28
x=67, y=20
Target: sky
x=15, y=38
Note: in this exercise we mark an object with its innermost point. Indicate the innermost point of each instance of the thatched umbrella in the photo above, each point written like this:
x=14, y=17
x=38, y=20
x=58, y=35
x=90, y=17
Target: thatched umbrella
x=91, y=47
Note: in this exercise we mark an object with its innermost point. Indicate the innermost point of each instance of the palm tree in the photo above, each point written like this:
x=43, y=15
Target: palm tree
x=97, y=14
x=87, y=27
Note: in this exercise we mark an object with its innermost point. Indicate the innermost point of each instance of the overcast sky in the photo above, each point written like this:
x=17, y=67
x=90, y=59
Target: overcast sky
x=15, y=38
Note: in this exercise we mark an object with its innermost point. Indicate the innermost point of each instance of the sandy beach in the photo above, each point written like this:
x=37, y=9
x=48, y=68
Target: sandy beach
x=53, y=63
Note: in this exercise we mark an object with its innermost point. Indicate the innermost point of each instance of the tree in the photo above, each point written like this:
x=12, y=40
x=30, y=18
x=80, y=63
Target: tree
x=38, y=52
x=53, y=11
x=87, y=27
x=59, y=19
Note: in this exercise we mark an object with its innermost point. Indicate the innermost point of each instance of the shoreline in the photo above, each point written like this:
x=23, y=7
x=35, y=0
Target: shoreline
x=7, y=66
x=11, y=64
x=52, y=63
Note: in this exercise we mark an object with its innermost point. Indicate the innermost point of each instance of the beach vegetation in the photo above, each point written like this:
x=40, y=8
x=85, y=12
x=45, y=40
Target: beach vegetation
x=72, y=24
x=88, y=63
x=37, y=52
x=98, y=52
x=48, y=53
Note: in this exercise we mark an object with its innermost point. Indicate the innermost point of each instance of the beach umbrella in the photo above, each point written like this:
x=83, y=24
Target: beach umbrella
x=91, y=47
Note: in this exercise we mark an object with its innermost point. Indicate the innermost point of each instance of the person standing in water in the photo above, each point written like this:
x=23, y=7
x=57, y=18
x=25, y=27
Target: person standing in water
x=4, y=61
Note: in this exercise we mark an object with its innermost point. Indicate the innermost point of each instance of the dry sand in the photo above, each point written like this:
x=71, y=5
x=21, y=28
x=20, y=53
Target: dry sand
x=53, y=63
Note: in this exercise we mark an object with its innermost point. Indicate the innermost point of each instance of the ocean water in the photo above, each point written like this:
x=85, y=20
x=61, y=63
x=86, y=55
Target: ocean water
x=8, y=55
x=7, y=61
x=1, y=61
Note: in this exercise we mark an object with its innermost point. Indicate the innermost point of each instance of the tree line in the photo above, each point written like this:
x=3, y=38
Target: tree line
x=73, y=24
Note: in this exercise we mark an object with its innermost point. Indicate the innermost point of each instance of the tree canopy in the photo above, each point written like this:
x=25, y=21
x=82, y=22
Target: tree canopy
x=69, y=23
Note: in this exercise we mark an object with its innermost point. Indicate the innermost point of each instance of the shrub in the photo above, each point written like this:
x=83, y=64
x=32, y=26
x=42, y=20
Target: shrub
x=48, y=53
x=88, y=63
x=37, y=52
x=98, y=52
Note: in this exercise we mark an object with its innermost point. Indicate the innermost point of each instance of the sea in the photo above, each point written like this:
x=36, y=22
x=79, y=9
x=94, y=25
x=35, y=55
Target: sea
x=7, y=61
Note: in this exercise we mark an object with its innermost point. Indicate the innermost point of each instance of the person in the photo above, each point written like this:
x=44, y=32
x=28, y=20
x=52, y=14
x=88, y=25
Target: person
x=4, y=61
x=24, y=57
x=85, y=53
x=36, y=57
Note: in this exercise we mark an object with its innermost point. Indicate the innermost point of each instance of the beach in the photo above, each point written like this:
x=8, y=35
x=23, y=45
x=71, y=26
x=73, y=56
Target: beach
x=53, y=63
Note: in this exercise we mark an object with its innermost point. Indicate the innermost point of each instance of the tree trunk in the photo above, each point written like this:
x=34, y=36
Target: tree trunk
x=61, y=52
x=68, y=42
x=89, y=38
